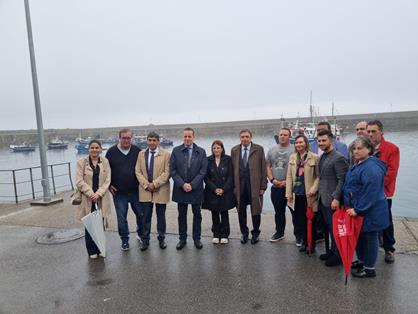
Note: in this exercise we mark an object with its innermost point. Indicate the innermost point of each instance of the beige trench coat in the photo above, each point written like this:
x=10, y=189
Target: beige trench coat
x=311, y=179
x=161, y=177
x=258, y=175
x=84, y=183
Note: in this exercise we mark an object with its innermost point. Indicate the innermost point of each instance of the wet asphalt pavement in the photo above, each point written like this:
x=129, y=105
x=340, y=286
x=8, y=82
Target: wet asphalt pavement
x=233, y=278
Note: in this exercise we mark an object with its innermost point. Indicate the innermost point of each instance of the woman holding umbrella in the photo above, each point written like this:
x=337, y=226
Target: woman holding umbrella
x=364, y=194
x=219, y=196
x=302, y=186
x=93, y=180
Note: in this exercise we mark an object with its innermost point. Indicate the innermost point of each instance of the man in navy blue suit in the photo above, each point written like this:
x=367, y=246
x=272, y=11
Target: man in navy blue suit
x=188, y=166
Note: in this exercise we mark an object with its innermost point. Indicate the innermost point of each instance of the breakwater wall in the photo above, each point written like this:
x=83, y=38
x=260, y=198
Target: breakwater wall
x=392, y=121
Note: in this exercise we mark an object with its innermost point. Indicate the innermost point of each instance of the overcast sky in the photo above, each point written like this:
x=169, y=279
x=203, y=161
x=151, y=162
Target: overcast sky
x=114, y=63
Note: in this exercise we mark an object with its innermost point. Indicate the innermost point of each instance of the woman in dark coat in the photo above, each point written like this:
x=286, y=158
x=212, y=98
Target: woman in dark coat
x=219, y=196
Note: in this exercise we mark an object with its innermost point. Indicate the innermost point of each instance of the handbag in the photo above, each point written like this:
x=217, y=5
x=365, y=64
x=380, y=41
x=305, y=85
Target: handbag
x=76, y=196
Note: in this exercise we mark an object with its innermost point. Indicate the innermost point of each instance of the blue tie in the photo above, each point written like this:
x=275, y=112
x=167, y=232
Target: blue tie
x=245, y=157
x=190, y=148
x=151, y=167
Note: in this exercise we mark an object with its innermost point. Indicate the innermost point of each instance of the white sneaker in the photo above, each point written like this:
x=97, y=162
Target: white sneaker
x=94, y=256
x=224, y=240
x=215, y=240
x=101, y=255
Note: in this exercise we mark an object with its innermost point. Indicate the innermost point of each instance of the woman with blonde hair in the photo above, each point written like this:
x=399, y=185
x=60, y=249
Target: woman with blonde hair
x=302, y=185
x=93, y=180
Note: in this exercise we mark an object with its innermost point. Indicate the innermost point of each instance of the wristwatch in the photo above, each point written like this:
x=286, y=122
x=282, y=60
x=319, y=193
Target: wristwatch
x=271, y=181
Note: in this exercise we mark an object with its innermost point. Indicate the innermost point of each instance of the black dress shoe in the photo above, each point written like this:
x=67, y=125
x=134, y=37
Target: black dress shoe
x=364, y=273
x=162, y=244
x=144, y=246
x=198, y=244
x=244, y=238
x=302, y=248
x=325, y=256
x=356, y=265
x=181, y=244
x=254, y=240
x=333, y=261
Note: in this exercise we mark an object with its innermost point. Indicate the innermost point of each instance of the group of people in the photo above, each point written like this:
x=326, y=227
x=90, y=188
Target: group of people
x=323, y=175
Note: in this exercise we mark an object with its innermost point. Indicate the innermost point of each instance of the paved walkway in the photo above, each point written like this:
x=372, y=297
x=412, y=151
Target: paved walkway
x=233, y=278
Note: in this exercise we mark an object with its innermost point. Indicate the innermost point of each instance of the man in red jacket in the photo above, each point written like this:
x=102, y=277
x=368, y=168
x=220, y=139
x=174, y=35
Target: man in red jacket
x=389, y=153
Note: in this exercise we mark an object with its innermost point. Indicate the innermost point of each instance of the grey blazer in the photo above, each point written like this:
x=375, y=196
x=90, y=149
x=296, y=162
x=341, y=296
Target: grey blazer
x=332, y=168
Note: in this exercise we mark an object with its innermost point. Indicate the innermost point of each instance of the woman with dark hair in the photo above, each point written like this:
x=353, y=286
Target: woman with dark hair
x=93, y=180
x=364, y=194
x=302, y=186
x=219, y=196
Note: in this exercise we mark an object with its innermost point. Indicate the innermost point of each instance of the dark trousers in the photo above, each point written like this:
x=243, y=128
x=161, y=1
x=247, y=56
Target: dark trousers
x=388, y=233
x=242, y=217
x=220, y=224
x=278, y=198
x=182, y=220
x=161, y=223
x=90, y=245
x=301, y=221
x=326, y=213
x=367, y=249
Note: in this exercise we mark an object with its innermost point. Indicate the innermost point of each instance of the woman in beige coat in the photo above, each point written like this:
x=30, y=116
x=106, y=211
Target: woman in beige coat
x=93, y=180
x=302, y=185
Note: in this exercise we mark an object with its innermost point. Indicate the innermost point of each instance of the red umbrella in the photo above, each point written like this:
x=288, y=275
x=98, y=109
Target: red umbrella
x=309, y=216
x=346, y=230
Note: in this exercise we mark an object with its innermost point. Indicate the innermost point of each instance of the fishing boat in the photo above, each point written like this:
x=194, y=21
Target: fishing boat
x=140, y=141
x=82, y=148
x=165, y=142
x=22, y=148
x=57, y=144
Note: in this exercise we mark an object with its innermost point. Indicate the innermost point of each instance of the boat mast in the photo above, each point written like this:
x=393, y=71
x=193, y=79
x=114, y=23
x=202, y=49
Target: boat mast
x=311, y=109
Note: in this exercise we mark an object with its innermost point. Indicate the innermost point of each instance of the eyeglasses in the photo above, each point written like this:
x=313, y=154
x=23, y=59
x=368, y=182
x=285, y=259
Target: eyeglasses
x=126, y=138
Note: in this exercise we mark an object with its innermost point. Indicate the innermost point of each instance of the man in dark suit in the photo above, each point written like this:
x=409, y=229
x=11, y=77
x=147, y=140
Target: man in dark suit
x=332, y=169
x=250, y=183
x=188, y=165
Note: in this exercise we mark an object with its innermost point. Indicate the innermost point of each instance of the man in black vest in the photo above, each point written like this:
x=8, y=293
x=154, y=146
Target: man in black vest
x=124, y=184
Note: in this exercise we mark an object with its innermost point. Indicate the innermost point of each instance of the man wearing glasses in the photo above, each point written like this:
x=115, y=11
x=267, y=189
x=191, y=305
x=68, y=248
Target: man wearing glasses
x=124, y=185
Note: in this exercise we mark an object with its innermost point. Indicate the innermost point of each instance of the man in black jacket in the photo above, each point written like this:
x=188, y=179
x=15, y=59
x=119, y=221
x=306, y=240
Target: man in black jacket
x=188, y=166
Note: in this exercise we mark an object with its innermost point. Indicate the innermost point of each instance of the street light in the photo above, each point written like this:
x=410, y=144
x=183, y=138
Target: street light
x=41, y=137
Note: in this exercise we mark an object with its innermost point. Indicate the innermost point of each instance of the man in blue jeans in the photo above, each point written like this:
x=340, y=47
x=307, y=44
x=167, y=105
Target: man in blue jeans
x=124, y=184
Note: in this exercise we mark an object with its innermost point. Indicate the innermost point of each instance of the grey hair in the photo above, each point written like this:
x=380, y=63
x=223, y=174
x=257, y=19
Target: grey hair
x=364, y=141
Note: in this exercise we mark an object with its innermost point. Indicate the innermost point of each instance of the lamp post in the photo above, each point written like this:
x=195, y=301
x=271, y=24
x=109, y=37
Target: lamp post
x=41, y=137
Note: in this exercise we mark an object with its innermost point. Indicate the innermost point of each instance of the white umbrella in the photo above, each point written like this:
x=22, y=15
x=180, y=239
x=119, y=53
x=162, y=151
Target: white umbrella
x=94, y=225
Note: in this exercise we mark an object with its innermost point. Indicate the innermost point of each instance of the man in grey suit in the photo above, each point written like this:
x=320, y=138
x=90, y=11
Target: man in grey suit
x=332, y=169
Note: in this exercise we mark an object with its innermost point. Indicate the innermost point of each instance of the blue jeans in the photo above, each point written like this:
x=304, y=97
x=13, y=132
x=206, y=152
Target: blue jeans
x=161, y=225
x=367, y=248
x=121, y=202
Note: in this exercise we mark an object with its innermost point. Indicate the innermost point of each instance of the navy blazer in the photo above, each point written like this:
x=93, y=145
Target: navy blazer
x=181, y=173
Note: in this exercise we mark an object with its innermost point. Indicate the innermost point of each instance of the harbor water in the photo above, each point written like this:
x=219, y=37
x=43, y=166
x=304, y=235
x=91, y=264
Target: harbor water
x=403, y=202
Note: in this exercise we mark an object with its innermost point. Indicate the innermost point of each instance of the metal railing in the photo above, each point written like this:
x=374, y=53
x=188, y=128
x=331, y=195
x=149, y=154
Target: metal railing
x=25, y=183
